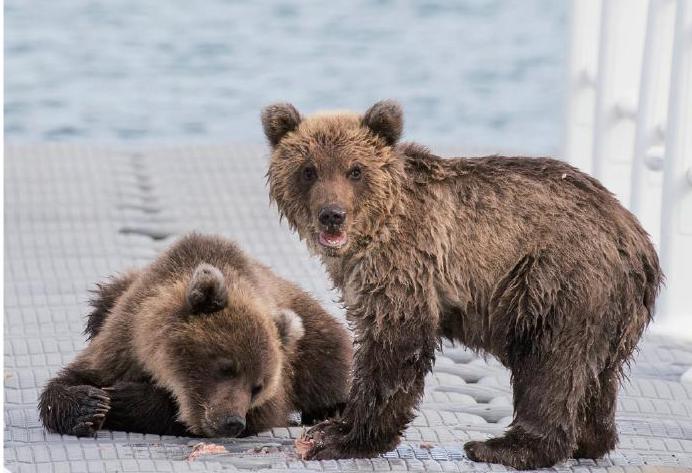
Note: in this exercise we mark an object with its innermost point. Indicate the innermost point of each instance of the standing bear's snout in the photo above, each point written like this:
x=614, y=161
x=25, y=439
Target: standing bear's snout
x=332, y=216
x=332, y=221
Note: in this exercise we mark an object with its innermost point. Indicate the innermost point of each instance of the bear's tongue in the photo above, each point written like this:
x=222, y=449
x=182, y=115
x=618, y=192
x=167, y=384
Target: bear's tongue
x=332, y=240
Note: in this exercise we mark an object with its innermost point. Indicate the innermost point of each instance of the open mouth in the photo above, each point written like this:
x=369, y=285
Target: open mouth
x=333, y=240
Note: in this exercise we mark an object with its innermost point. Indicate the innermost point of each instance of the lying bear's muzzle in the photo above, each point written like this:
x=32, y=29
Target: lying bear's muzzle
x=224, y=425
x=230, y=426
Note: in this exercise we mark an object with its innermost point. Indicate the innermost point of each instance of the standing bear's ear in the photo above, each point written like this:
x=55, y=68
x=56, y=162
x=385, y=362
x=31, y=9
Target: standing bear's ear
x=278, y=119
x=385, y=119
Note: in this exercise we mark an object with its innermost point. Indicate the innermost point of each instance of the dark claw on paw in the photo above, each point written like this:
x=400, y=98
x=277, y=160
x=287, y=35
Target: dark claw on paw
x=92, y=406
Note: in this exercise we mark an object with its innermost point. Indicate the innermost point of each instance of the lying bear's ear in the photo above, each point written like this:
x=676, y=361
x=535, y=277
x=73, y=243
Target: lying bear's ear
x=385, y=119
x=290, y=327
x=278, y=119
x=207, y=292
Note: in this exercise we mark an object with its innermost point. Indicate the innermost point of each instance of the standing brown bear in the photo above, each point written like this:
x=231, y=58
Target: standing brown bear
x=204, y=341
x=529, y=260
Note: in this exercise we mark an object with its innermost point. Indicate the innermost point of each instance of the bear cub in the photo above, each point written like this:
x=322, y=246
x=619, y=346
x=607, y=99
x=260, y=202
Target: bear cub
x=527, y=259
x=204, y=341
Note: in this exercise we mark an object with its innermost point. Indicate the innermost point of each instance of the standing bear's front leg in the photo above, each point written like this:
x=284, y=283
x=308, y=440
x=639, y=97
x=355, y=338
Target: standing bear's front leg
x=395, y=342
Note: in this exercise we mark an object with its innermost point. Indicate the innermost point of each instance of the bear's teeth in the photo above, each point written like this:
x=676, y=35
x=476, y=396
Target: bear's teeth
x=332, y=240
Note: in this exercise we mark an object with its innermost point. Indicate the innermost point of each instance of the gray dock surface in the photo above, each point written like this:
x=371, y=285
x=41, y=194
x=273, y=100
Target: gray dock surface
x=75, y=214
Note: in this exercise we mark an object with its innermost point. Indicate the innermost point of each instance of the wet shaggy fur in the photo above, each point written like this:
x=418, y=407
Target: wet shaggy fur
x=527, y=259
x=205, y=341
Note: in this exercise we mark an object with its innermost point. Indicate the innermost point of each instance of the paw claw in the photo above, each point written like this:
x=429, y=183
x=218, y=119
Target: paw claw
x=91, y=407
x=84, y=429
x=471, y=449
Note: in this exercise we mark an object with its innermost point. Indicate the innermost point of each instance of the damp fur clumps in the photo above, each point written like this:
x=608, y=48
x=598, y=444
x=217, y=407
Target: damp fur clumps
x=527, y=259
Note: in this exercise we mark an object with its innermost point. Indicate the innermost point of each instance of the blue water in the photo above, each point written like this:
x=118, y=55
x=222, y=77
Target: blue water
x=475, y=74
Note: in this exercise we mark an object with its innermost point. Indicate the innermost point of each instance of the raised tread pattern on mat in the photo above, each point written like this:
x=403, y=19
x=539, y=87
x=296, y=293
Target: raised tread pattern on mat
x=75, y=214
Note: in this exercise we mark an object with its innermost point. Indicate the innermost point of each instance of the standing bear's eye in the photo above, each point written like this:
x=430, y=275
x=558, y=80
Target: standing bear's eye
x=309, y=173
x=355, y=173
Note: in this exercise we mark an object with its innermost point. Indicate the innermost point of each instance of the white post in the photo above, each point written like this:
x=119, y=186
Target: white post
x=585, y=19
x=647, y=178
x=623, y=25
x=675, y=305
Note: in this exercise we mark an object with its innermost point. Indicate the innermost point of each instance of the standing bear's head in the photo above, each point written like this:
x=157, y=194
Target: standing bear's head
x=218, y=348
x=335, y=177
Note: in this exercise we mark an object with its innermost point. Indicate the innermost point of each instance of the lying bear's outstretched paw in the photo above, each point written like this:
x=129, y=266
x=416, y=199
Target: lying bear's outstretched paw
x=89, y=410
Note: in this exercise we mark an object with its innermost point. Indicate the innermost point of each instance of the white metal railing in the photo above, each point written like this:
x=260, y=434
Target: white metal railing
x=629, y=123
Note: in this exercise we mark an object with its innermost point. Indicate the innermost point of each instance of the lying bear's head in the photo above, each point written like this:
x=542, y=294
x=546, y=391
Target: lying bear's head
x=221, y=352
x=334, y=176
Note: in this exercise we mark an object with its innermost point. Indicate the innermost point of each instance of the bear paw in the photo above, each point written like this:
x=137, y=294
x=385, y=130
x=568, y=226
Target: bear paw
x=323, y=441
x=328, y=440
x=89, y=410
x=519, y=453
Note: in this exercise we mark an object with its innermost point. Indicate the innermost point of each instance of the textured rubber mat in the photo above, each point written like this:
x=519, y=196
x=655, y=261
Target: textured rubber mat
x=75, y=214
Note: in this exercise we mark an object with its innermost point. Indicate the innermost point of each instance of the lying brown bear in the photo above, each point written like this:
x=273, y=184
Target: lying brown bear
x=529, y=260
x=204, y=341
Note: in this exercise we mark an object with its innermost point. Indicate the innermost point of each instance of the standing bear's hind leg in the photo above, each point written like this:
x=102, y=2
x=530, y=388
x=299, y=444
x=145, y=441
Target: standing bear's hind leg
x=549, y=372
x=543, y=432
x=597, y=432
